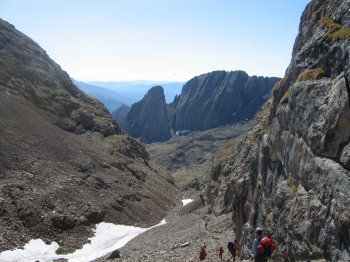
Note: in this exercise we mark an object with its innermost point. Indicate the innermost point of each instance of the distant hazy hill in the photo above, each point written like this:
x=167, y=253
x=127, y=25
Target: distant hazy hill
x=135, y=90
x=111, y=99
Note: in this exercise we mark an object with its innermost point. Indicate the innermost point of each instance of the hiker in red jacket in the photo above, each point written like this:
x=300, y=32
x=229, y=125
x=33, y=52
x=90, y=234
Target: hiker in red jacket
x=221, y=251
x=202, y=255
x=232, y=247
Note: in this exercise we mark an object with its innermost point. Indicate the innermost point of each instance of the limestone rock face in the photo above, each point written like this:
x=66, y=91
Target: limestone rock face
x=148, y=118
x=219, y=98
x=207, y=101
x=120, y=114
x=290, y=173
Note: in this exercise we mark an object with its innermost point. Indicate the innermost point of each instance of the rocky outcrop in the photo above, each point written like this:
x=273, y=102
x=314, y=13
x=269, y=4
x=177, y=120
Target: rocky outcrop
x=64, y=162
x=120, y=114
x=148, y=118
x=219, y=98
x=27, y=70
x=290, y=173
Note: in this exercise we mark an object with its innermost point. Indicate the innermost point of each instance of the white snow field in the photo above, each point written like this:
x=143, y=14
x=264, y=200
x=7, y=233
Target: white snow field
x=107, y=238
x=186, y=201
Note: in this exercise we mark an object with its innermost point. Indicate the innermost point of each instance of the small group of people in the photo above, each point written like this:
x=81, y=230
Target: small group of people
x=232, y=247
x=262, y=248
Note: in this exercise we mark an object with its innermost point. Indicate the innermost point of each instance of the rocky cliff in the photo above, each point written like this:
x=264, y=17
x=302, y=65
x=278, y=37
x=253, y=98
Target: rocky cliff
x=290, y=173
x=120, y=114
x=148, y=118
x=207, y=101
x=219, y=98
x=64, y=162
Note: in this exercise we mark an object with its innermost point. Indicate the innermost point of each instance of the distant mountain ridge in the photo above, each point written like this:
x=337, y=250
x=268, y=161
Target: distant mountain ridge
x=207, y=101
x=135, y=90
x=219, y=98
x=111, y=99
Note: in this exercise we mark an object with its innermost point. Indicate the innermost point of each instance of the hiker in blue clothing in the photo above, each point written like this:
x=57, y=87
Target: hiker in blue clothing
x=256, y=242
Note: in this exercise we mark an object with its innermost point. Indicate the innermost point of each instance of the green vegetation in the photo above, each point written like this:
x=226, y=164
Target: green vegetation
x=264, y=131
x=343, y=33
x=184, y=176
x=103, y=121
x=224, y=154
x=312, y=74
x=264, y=113
x=285, y=97
x=335, y=31
x=158, y=167
x=103, y=124
x=66, y=124
x=292, y=184
x=54, y=93
x=57, y=108
x=114, y=140
x=277, y=85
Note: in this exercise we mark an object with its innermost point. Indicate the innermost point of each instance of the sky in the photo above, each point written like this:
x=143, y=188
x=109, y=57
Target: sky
x=161, y=40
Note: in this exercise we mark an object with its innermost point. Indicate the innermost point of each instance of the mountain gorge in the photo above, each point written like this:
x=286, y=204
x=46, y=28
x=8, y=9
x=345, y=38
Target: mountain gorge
x=65, y=164
x=289, y=174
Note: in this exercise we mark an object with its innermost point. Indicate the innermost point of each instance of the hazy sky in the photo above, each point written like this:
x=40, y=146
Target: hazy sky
x=160, y=39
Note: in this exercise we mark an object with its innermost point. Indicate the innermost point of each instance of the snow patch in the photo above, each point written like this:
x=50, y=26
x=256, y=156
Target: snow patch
x=107, y=238
x=186, y=201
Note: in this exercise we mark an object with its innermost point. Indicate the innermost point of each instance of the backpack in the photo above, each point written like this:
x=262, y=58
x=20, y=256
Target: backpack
x=235, y=245
x=230, y=245
x=266, y=247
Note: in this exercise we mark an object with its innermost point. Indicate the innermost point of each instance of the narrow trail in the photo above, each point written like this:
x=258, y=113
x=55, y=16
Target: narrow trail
x=180, y=239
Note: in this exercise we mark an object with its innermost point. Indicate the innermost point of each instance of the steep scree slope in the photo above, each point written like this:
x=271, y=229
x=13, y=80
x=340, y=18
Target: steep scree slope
x=290, y=173
x=64, y=162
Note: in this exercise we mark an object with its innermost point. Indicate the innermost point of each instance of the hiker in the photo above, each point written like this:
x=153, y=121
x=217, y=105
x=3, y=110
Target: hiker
x=232, y=247
x=202, y=255
x=262, y=247
x=221, y=251
x=203, y=246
